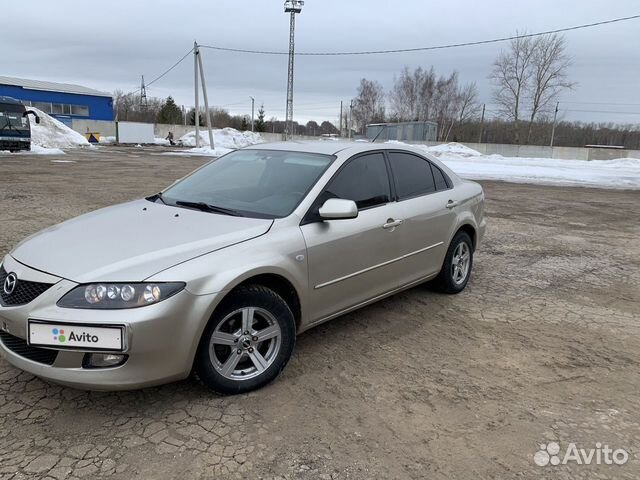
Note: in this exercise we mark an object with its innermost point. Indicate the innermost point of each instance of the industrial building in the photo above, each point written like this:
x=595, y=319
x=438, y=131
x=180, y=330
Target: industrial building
x=404, y=131
x=63, y=101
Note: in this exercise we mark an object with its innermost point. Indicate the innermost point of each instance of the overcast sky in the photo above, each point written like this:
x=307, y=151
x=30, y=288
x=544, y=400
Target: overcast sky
x=108, y=46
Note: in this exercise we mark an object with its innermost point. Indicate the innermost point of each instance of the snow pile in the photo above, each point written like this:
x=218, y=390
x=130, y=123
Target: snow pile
x=620, y=173
x=225, y=140
x=453, y=148
x=50, y=133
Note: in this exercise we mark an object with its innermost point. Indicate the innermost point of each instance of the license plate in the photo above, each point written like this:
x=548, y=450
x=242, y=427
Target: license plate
x=74, y=336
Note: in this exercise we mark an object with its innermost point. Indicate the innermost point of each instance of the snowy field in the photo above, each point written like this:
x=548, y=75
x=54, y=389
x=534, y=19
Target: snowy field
x=623, y=173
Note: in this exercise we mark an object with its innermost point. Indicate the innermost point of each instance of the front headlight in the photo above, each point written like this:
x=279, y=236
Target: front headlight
x=118, y=295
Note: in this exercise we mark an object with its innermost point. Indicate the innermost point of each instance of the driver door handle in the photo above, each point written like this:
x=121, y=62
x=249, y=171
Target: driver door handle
x=391, y=223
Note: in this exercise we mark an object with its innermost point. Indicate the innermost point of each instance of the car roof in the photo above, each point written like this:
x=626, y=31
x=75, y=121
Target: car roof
x=327, y=147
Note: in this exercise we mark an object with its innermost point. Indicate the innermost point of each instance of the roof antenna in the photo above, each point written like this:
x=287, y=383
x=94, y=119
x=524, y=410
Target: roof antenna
x=384, y=127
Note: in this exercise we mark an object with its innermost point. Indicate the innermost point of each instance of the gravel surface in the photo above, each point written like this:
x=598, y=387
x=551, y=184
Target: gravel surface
x=542, y=346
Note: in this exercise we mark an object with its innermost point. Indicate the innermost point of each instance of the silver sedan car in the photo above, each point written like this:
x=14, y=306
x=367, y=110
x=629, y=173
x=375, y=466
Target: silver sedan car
x=218, y=273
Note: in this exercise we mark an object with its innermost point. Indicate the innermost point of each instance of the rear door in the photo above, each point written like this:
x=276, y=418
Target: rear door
x=423, y=192
x=353, y=260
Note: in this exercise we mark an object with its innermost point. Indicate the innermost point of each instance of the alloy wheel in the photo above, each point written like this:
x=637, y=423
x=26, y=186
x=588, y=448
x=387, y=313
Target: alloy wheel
x=245, y=343
x=460, y=263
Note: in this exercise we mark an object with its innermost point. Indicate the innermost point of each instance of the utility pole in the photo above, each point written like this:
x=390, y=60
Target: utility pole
x=206, y=100
x=253, y=104
x=553, y=129
x=341, y=133
x=481, y=123
x=292, y=7
x=196, y=118
x=350, y=118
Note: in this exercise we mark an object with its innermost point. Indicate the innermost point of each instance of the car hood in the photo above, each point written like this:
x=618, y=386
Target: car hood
x=132, y=241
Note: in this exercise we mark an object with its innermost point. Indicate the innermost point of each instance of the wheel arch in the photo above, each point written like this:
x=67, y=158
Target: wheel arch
x=277, y=282
x=469, y=230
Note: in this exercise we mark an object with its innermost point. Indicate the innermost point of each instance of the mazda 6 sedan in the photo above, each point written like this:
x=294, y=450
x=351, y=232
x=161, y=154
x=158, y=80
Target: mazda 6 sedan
x=218, y=273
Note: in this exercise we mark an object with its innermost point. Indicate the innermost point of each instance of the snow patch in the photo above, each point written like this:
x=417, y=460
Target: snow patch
x=38, y=150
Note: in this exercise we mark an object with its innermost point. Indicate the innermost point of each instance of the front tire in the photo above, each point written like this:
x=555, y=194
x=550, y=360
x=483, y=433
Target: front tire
x=248, y=341
x=456, y=270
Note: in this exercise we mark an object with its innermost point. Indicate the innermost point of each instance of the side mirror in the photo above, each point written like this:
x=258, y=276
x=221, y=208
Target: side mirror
x=338, y=209
x=31, y=112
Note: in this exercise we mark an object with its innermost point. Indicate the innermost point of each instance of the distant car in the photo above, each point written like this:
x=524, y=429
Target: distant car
x=219, y=272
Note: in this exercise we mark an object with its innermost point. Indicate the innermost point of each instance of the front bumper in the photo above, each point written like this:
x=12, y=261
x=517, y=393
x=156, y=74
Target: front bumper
x=161, y=342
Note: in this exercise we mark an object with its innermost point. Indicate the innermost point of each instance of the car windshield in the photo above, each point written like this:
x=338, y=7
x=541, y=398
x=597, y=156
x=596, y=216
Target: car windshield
x=251, y=183
x=11, y=118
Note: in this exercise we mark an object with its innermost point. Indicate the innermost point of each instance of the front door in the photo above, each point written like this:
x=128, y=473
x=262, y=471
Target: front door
x=353, y=260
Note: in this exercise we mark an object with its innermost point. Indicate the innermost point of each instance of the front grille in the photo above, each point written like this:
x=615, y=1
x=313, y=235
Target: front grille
x=20, y=347
x=23, y=293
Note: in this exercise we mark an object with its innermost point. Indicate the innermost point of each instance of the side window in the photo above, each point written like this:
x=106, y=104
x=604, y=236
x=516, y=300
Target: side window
x=363, y=180
x=438, y=176
x=412, y=175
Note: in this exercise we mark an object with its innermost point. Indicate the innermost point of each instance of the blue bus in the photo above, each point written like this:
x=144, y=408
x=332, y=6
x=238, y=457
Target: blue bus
x=15, y=130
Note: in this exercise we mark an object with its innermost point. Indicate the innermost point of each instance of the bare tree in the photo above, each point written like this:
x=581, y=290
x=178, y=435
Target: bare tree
x=549, y=64
x=426, y=93
x=404, y=96
x=511, y=74
x=468, y=104
x=368, y=106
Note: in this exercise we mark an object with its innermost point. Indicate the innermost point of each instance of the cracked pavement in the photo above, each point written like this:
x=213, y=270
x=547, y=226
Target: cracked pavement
x=542, y=346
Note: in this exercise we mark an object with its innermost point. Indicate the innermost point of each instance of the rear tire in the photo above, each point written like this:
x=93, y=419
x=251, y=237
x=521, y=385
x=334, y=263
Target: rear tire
x=456, y=270
x=247, y=343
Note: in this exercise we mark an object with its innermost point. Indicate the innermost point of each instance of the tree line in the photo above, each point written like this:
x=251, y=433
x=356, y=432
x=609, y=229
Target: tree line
x=132, y=108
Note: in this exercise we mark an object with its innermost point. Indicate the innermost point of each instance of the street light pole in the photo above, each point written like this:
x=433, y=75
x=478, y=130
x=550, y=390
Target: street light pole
x=196, y=113
x=293, y=7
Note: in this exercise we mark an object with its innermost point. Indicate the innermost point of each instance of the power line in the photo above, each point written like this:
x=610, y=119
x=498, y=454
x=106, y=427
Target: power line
x=165, y=72
x=422, y=49
x=604, y=111
x=605, y=103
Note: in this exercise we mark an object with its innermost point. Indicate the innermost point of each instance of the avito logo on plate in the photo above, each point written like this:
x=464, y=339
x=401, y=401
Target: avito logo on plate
x=60, y=336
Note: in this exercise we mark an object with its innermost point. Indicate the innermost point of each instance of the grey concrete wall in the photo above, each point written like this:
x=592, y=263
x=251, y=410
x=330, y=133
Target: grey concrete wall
x=103, y=127
x=540, y=151
x=161, y=131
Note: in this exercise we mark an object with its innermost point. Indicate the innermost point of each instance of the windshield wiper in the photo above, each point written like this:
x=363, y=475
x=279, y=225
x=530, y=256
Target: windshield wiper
x=205, y=207
x=156, y=196
x=7, y=123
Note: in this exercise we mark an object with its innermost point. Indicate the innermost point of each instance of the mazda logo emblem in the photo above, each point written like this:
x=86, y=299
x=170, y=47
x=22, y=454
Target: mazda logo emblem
x=10, y=283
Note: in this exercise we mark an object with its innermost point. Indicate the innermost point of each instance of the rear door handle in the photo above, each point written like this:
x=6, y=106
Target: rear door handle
x=391, y=223
x=452, y=203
